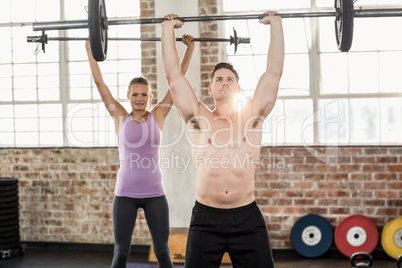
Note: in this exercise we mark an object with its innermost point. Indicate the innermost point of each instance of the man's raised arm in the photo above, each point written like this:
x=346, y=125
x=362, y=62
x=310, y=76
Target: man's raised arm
x=183, y=95
x=267, y=89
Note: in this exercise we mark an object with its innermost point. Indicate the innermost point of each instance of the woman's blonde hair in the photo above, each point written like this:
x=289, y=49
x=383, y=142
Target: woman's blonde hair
x=138, y=80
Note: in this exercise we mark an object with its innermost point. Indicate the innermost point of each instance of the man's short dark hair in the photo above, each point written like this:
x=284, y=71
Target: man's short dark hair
x=224, y=65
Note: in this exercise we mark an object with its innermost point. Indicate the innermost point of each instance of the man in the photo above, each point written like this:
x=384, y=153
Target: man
x=225, y=149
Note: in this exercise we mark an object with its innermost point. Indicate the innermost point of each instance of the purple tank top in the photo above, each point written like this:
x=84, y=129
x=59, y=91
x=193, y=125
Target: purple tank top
x=139, y=175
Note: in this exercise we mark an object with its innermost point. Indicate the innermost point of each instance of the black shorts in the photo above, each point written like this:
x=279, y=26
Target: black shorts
x=239, y=231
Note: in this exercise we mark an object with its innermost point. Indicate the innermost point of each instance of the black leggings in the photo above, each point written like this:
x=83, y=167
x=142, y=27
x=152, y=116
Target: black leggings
x=156, y=212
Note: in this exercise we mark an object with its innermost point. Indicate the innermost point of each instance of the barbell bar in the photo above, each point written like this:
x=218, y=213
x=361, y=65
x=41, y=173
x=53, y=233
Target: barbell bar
x=98, y=22
x=233, y=40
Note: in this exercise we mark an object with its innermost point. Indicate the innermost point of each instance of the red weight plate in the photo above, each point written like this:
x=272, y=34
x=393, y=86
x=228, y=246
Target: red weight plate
x=356, y=233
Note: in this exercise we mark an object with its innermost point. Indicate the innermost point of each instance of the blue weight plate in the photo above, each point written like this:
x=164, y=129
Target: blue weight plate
x=312, y=236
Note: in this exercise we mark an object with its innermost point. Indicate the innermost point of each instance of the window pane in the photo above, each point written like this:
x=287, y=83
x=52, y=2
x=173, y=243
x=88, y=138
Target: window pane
x=6, y=44
x=24, y=82
x=26, y=111
x=5, y=14
x=299, y=120
x=51, y=124
x=76, y=9
x=363, y=72
x=391, y=118
x=80, y=93
x=5, y=70
x=23, y=51
x=332, y=120
x=6, y=111
x=296, y=34
x=50, y=94
x=6, y=94
x=25, y=94
x=22, y=10
x=48, y=69
x=50, y=110
x=273, y=131
x=24, y=69
x=390, y=71
x=295, y=79
x=5, y=83
x=47, y=10
x=7, y=125
x=26, y=138
x=6, y=138
x=26, y=124
x=80, y=80
x=48, y=81
x=327, y=38
x=364, y=121
x=51, y=138
x=334, y=73
x=262, y=5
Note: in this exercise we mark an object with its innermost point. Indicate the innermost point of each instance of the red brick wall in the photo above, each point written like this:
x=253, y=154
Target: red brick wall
x=66, y=194
x=293, y=183
x=211, y=52
x=148, y=49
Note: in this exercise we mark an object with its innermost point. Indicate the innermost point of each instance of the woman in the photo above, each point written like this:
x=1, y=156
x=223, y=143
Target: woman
x=139, y=180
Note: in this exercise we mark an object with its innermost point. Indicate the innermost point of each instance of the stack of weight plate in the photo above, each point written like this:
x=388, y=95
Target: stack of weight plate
x=9, y=223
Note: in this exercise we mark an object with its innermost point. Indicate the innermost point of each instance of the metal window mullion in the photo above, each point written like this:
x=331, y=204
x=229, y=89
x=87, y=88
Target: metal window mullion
x=315, y=65
x=64, y=77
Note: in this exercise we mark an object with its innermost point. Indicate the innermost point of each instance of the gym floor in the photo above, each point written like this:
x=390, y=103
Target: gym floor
x=41, y=257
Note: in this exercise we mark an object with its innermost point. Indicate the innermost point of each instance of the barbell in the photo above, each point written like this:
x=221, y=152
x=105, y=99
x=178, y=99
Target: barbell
x=233, y=40
x=98, y=22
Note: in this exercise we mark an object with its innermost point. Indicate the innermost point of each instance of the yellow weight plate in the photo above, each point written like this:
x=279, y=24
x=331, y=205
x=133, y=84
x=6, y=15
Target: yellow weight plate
x=391, y=238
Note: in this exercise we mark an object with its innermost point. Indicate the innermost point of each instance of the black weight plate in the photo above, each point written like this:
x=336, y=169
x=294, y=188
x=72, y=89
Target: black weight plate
x=344, y=24
x=312, y=236
x=8, y=211
x=9, y=235
x=8, y=205
x=10, y=240
x=11, y=228
x=8, y=193
x=97, y=25
x=6, y=246
x=8, y=181
x=8, y=199
x=9, y=217
x=9, y=223
x=4, y=188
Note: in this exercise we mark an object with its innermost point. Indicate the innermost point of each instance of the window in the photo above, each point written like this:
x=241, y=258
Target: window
x=325, y=97
x=49, y=99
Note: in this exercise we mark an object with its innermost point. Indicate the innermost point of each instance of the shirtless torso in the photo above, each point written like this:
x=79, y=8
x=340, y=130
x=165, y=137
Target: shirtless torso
x=225, y=153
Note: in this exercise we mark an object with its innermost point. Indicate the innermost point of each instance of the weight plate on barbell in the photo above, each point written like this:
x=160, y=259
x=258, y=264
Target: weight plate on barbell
x=356, y=233
x=311, y=236
x=391, y=238
x=97, y=26
x=344, y=24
